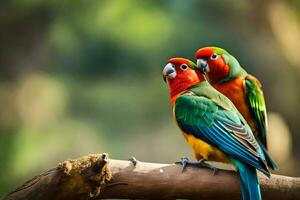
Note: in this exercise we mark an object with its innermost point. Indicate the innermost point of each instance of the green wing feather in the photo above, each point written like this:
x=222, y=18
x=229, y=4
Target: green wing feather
x=222, y=128
x=257, y=106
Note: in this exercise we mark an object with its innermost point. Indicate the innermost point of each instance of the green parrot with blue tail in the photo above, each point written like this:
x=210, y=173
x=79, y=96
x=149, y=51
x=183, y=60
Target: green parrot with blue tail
x=204, y=114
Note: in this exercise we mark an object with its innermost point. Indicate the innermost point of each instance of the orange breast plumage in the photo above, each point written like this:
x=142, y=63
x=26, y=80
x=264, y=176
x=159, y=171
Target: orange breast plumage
x=234, y=90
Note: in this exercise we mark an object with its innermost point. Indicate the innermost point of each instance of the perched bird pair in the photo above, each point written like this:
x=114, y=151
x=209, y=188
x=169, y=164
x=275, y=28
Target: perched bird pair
x=229, y=127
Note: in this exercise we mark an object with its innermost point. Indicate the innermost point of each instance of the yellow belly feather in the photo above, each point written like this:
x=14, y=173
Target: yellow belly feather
x=203, y=150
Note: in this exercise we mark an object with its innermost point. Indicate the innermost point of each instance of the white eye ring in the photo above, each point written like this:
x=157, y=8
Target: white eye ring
x=214, y=56
x=183, y=67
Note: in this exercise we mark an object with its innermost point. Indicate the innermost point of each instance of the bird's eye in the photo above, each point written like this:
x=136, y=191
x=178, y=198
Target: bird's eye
x=183, y=67
x=214, y=56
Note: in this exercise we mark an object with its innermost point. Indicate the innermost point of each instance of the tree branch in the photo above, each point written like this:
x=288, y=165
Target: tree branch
x=95, y=176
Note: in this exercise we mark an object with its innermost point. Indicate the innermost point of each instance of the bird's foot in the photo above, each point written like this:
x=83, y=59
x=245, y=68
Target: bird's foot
x=184, y=161
x=133, y=160
x=200, y=163
x=203, y=164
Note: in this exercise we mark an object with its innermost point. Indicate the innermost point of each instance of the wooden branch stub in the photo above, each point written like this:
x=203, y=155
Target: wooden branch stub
x=95, y=176
x=72, y=179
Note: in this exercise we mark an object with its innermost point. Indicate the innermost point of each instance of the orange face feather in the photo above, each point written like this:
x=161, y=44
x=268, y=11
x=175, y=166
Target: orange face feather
x=218, y=69
x=184, y=77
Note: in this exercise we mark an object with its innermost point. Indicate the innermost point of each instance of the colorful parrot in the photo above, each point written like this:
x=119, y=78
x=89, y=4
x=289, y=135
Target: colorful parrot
x=226, y=75
x=213, y=126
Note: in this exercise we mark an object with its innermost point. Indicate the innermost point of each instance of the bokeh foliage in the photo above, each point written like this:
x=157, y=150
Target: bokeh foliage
x=81, y=77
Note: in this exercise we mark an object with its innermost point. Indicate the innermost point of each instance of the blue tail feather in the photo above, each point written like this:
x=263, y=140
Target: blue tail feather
x=249, y=181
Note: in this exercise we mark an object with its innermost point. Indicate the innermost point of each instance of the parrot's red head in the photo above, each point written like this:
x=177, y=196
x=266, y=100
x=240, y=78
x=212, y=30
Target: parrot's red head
x=180, y=76
x=211, y=61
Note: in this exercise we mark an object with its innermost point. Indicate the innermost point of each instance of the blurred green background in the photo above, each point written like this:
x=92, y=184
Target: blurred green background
x=81, y=77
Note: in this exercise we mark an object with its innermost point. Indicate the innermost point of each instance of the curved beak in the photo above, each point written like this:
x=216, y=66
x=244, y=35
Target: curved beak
x=169, y=72
x=202, y=65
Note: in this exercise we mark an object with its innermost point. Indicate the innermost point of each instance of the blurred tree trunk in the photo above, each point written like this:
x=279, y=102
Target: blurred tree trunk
x=279, y=22
x=22, y=39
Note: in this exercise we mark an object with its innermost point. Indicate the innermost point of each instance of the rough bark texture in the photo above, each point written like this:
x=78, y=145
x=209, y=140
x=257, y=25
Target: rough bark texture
x=95, y=176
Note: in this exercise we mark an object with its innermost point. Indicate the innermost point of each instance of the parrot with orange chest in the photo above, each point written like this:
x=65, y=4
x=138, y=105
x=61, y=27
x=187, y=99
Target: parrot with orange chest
x=225, y=74
x=213, y=126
